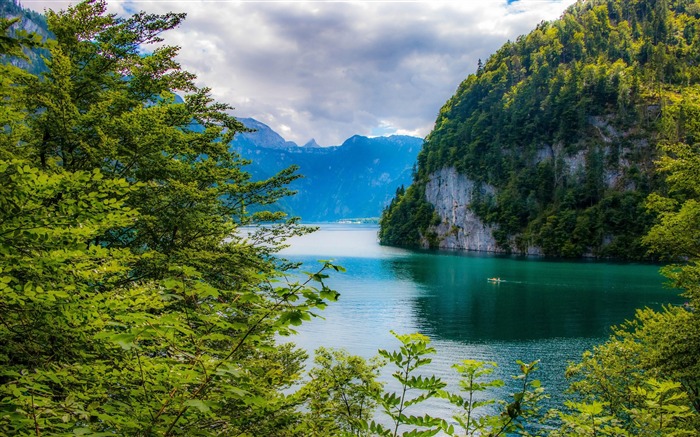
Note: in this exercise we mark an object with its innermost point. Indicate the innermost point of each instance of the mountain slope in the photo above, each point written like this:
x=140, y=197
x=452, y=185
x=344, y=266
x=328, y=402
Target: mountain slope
x=549, y=147
x=30, y=22
x=354, y=180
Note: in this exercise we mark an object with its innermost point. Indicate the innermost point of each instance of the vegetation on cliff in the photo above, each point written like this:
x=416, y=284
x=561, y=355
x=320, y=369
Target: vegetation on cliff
x=564, y=122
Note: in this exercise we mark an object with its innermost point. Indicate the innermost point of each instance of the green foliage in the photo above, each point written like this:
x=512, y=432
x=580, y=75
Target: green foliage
x=132, y=301
x=655, y=345
x=341, y=393
x=563, y=123
x=415, y=388
x=405, y=220
x=665, y=410
x=472, y=383
x=676, y=235
x=514, y=416
x=661, y=410
x=412, y=355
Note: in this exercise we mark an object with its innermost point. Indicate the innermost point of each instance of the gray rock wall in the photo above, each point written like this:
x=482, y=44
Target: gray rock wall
x=460, y=228
x=451, y=193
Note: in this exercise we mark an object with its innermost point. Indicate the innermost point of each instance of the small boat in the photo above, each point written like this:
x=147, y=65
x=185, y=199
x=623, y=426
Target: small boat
x=495, y=280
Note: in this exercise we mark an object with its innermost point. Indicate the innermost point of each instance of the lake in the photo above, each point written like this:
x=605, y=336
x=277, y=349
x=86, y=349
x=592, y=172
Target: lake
x=542, y=309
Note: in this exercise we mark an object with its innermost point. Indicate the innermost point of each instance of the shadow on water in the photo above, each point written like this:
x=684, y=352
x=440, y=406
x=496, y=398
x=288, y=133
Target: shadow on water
x=542, y=309
x=533, y=299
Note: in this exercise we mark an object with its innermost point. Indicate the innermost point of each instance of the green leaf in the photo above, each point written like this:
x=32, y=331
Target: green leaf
x=198, y=404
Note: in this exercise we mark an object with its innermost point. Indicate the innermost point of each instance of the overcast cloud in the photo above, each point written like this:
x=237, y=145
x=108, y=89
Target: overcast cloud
x=329, y=70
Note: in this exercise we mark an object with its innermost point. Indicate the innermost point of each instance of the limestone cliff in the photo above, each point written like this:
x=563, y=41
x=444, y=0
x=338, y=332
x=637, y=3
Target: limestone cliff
x=455, y=197
x=450, y=194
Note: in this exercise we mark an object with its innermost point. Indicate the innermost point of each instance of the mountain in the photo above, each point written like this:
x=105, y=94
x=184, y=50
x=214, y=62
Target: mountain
x=263, y=137
x=354, y=180
x=549, y=147
x=30, y=22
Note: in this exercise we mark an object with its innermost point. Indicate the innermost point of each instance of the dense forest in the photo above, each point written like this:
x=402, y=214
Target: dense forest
x=133, y=304
x=560, y=128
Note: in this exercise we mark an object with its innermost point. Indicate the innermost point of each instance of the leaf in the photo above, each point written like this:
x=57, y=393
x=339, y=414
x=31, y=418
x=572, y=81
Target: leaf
x=125, y=340
x=198, y=404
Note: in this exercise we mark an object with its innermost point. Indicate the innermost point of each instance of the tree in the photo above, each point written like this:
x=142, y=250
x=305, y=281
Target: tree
x=340, y=394
x=676, y=236
x=132, y=301
x=654, y=358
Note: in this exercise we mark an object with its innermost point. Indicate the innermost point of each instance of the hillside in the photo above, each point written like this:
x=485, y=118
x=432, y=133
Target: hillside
x=354, y=180
x=549, y=147
x=30, y=22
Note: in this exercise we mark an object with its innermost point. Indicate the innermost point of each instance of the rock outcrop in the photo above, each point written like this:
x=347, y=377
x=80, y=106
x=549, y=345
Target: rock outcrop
x=451, y=194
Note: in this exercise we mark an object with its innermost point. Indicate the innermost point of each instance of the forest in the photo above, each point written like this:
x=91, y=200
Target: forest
x=563, y=124
x=135, y=300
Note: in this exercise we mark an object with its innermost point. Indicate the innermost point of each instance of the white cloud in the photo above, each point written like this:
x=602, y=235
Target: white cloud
x=329, y=70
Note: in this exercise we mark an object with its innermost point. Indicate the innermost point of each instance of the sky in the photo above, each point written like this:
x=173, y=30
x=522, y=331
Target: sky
x=329, y=70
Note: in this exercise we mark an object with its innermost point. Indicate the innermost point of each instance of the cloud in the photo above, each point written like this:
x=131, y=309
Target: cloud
x=329, y=70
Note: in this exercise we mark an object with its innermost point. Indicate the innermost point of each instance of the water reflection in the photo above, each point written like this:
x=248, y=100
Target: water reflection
x=545, y=310
x=447, y=295
x=535, y=299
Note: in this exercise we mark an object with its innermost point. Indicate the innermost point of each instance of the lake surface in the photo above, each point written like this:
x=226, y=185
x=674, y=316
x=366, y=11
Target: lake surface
x=543, y=309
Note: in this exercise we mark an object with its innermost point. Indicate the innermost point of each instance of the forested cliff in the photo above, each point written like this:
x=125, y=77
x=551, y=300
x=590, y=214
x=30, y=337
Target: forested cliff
x=549, y=147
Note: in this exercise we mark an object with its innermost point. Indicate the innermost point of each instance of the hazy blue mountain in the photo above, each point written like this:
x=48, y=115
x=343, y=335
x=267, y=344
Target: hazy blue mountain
x=262, y=137
x=354, y=180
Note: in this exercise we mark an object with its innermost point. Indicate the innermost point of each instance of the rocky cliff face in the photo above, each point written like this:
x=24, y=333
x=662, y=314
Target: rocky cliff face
x=451, y=194
x=30, y=22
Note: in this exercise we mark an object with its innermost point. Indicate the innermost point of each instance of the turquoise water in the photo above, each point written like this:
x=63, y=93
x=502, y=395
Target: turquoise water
x=542, y=309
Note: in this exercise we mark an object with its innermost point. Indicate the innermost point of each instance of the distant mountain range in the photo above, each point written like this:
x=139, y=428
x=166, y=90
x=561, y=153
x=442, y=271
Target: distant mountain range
x=354, y=180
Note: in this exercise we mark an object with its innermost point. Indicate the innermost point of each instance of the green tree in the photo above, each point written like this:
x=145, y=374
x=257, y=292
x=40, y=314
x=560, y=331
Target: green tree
x=646, y=377
x=412, y=354
x=473, y=383
x=676, y=236
x=511, y=417
x=341, y=393
x=132, y=301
